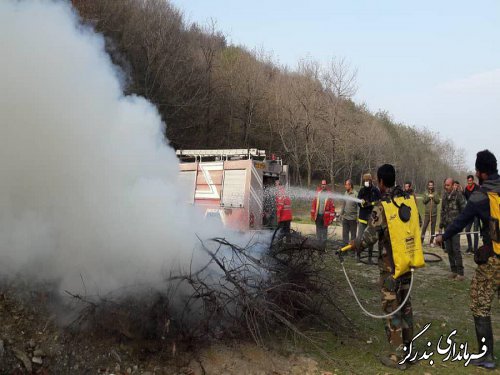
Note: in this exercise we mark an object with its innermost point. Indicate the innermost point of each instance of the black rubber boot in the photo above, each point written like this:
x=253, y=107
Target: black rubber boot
x=392, y=361
x=409, y=361
x=484, y=334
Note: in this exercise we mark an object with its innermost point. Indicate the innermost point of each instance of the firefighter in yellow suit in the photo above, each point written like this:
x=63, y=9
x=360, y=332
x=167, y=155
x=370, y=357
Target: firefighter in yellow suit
x=394, y=224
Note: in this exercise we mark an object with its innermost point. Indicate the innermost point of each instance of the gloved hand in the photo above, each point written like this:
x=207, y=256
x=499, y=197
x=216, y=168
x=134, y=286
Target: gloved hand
x=353, y=245
x=363, y=203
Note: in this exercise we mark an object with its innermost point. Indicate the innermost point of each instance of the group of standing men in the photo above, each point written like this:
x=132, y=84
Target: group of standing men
x=453, y=202
x=355, y=216
x=483, y=204
x=356, y=213
x=322, y=210
x=364, y=224
x=453, y=195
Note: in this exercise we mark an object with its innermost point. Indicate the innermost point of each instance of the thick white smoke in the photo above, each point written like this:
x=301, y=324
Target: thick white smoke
x=87, y=184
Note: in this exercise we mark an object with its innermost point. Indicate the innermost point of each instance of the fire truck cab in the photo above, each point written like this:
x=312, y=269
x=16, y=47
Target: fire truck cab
x=230, y=185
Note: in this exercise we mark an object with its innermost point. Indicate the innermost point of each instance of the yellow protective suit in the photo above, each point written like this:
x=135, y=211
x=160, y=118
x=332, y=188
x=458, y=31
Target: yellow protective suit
x=495, y=220
x=405, y=237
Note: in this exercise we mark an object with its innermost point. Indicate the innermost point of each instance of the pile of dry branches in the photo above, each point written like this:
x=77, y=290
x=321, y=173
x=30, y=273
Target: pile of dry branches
x=249, y=291
x=256, y=289
x=144, y=315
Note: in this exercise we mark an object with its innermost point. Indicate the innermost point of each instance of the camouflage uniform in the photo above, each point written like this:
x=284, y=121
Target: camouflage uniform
x=399, y=327
x=484, y=285
x=486, y=280
x=453, y=204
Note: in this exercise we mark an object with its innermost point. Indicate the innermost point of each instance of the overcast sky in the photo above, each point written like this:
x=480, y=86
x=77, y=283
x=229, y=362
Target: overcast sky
x=433, y=64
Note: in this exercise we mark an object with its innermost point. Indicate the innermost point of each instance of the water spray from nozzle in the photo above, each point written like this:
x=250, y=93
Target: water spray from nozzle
x=300, y=193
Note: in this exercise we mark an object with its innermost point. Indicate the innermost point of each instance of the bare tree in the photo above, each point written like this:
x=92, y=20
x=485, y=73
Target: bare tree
x=212, y=94
x=308, y=94
x=339, y=80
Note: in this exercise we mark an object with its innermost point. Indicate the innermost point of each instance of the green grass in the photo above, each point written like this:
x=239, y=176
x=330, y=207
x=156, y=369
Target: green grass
x=435, y=299
x=302, y=211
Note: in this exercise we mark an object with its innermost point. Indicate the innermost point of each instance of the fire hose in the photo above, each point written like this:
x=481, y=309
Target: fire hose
x=435, y=258
x=458, y=234
x=384, y=316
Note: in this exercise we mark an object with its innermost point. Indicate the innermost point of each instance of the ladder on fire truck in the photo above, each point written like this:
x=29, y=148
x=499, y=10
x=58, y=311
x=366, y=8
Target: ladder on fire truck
x=225, y=154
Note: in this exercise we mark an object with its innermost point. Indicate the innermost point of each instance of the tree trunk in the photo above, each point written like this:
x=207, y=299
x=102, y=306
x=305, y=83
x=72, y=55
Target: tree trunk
x=332, y=161
x=309, y=172
x=308, y=161
x=298, y=177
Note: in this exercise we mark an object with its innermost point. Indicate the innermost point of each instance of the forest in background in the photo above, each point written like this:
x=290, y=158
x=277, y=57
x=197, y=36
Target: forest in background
x=214, y=94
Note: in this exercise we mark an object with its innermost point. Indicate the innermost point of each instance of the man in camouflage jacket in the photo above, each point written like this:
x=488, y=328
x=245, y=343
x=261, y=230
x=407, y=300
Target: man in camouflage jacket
x=398, y=327
x=453, y=204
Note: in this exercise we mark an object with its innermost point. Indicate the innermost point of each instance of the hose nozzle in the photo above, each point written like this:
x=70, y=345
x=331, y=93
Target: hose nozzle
x=342, y=250
x=346, y=248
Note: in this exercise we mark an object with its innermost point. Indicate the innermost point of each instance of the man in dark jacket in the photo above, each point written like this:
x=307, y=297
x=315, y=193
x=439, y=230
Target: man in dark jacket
x=453, y=204
x=469, y=189
x=486, y=280
x=369, y=196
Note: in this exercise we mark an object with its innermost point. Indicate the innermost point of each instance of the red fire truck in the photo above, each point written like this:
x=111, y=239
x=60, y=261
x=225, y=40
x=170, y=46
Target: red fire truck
x=230, y=185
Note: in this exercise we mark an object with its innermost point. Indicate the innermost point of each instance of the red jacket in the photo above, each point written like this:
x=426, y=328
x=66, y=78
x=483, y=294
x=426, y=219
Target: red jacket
x=283, y=206
x=329, y=209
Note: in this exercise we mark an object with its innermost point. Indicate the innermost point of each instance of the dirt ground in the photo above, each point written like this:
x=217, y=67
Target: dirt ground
x=34, y=339
x=310, y=229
